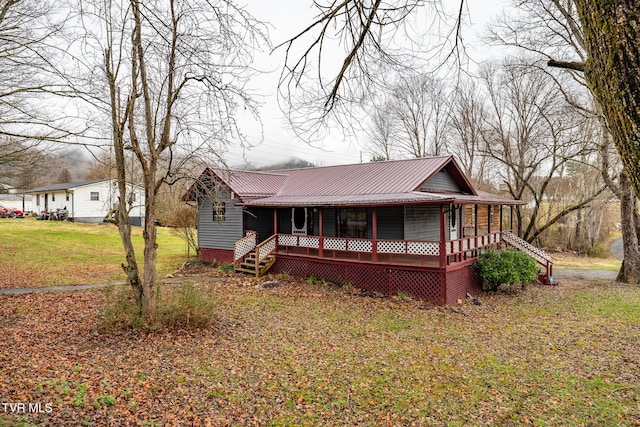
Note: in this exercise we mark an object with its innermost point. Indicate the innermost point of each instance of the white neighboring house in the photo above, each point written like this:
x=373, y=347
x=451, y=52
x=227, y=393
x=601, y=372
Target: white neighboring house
x=11, y=199
x=88, y=201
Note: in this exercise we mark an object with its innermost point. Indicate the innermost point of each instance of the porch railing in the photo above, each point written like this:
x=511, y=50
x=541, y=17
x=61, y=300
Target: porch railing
x=471, y=243
x=266, y=248
x=317, y=245
x=243, y=246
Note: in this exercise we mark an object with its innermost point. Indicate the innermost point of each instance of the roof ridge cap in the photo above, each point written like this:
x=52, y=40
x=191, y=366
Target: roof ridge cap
x=249, y=171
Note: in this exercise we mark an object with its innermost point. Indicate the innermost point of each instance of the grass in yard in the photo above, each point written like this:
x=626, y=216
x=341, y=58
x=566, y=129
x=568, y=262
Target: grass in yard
x=307, y=354
x=304, y=353
x=583, y=262
x=566, y=260
x=46, y=253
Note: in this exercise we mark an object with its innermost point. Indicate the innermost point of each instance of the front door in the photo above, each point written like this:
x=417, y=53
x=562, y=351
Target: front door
x=299, y=221
x=454, y=219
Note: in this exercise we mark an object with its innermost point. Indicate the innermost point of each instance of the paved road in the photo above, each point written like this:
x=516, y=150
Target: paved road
x=576, y=274
x=616, y=249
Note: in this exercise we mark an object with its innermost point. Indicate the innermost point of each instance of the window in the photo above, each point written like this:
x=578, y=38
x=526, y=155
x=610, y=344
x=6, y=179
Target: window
x=219, y=211
x=95, y=196
x=454, y=218
x=67, y=197
x=352, y=223
x=53, y=197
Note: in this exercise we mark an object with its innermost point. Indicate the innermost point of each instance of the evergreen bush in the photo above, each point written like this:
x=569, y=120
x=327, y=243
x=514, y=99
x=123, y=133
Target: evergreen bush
x=506, y=267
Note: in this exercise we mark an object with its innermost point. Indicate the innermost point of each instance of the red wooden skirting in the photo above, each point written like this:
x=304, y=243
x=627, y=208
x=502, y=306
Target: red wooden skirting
x=423, y=283
x=433, y=285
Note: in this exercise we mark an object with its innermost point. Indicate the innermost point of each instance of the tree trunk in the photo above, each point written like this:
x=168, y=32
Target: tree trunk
x=629, y=216
x=630, y=270
x=149, y=285
x=577, y=237
x=122, y=212
x=612, y=70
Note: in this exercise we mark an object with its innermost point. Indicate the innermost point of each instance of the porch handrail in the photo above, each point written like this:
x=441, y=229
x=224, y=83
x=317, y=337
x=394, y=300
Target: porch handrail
x=536, y=253
x=266, y=248
x=540, y=256
x=244, y=245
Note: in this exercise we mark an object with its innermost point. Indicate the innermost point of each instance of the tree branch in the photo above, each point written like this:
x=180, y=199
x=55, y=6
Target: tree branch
x=567, y=65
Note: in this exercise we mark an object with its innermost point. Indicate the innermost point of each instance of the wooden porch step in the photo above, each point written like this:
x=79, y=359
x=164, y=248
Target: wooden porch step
x=249, y=265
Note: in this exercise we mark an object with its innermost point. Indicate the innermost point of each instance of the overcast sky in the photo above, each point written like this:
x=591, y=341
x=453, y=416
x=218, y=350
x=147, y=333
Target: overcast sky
x=279, y=142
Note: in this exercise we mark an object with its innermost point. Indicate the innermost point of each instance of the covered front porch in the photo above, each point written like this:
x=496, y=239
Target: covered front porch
x=420, y=235
x=417, y=253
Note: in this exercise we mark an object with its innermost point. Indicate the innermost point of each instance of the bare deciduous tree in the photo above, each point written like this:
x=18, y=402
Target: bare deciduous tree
x=612, y=70
x=381, y=135
x=466, y=121
x=379, y=38
x=533, y=134
x=553, y=29
x=419, y=106
x=28, y=73
x=414, y=115
x=611, y=65
x=170, y=77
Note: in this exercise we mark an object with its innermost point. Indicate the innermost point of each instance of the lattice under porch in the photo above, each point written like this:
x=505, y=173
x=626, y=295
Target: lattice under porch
x=433, y=285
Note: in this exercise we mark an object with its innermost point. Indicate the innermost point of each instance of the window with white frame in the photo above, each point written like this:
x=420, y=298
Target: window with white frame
x=219, y=211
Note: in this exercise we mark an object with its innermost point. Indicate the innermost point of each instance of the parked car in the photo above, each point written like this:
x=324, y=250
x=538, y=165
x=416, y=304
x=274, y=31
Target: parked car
x=8, y=212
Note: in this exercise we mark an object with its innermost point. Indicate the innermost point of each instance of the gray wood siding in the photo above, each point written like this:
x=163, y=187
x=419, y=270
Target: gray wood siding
x=390, y=222
x=422, y=222
x=219, y=235
x=441, y=181
x=329, y=222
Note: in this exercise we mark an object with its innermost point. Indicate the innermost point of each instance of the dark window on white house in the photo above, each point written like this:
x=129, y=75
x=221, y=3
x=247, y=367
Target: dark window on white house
x=68, y=197
x=95, y=196
x=219, y=211
x=53, y=197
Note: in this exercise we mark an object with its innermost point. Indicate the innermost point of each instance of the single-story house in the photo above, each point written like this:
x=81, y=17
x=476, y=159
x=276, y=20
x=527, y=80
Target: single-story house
x=16, y=201
x=412, y=226
x=88, y=201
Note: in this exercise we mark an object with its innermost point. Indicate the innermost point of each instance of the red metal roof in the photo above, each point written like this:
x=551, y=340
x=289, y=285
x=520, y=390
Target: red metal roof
x=390, y=182
x=399, y=176
x=250, y=184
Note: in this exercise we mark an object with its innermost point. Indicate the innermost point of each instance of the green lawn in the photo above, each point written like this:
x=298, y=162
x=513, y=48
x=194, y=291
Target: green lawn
x=45, y=253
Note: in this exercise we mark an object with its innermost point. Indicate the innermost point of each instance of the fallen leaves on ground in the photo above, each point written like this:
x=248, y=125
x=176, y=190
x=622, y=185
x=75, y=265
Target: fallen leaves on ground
x=302, y=354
